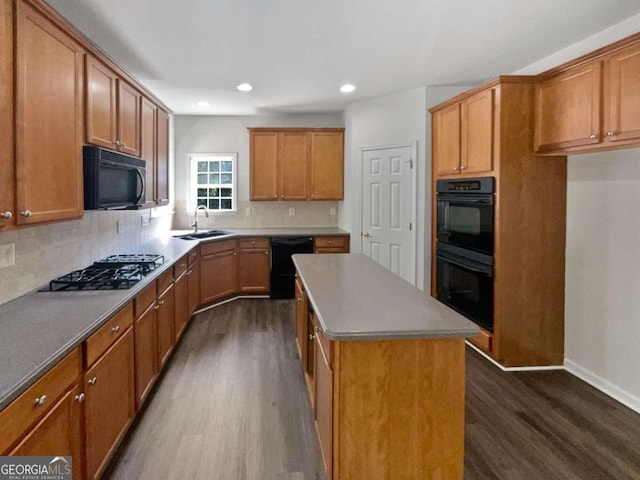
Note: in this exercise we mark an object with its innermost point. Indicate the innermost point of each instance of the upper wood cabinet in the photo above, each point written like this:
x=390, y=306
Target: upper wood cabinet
x=568, y=109
x=112, y=109
x=162, y=157
x=148, y=149
x=7, y=172
x=296, y=164
x=593, y=105
x=48, y=112
x=327, y=165
x=463, y=136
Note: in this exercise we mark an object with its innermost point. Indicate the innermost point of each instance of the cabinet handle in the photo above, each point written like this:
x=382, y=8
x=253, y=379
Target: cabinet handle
x=316, y=329
x=156, y=307
x=6, y=214
x=189, y=273
x=161, y=302
x=183, y=265
x=610, y=134
x=116, y=329
x=593, y=136
x=456, y=169
x=93, y=381
x=281, y=196
x=313, y=196
x=300, y=299
x=330, y=242
x=266, y=253
x=79, y=398
x=235, y=253
x=118, y=143
x=253, y=243
x=40, y=401
x=26, y=213
x=463, y=168
x=311, y=336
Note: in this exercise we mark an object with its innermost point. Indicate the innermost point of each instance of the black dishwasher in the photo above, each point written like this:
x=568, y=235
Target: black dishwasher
x=283, y=271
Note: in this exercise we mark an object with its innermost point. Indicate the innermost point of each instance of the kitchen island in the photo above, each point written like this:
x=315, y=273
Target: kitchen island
x=384, y=364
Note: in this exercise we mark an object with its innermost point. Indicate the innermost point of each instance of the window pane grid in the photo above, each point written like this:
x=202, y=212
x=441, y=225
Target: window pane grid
x=215, y=183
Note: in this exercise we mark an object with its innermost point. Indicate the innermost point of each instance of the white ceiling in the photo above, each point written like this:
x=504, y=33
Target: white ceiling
x=297, y=53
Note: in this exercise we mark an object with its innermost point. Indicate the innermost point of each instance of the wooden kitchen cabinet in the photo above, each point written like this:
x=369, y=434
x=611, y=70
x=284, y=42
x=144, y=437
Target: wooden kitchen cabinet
x=296, y=163
x=7, y=172
x=323, y=373
x=162, y=157
x=254, y=265
x=327, y=165
x=166, y=319
x=148, y=149
x=48, y=113
x=146, y=340
x=110, y=403
x=336, y=244
x=568, y=109
x=463, y=139
x=193, y=281
x=217, y=270
x=112, y=109
x=181, y=308
x=302, y=322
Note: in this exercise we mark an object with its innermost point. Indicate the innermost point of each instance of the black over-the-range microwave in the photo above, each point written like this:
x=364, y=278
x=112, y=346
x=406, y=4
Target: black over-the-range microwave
x=112, y=180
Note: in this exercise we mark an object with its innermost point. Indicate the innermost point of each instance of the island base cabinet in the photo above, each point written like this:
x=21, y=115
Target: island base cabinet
x=397, y=412
x=110, y=405
x=324, y=406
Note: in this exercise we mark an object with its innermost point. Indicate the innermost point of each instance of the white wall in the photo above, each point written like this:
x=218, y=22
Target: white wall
x=228, y=134
x=602, y=314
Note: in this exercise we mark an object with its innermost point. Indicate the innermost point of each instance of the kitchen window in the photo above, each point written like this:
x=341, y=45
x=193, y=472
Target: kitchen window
x=214, y=181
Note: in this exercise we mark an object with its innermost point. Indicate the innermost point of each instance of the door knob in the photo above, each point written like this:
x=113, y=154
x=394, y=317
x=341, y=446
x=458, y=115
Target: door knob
x=366, y=234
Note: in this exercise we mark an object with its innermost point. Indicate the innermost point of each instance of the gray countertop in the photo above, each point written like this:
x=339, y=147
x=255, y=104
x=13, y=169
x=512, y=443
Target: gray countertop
x=273, y=232
x=354, y=298
x=37, y=330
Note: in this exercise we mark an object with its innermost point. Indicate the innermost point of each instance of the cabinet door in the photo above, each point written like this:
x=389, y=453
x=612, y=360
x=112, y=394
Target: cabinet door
x=110, y=404
x=7, y=173
x=568, y=109
x=217, y=276
x=263, y=166
x=129, y=101
x=166, y=336
x=181, y=308
x=302, y=326
x=327, y=165
x=324, y=406
x=58, y=433
x=148, y=149
x=48, y=121
x=446, y=140
x=254, y=270
x=476, y=148
x=162, y=157
x=622, y=101
x=101, y=87
x=293, y=165
x=146, y=364
x=193, y=287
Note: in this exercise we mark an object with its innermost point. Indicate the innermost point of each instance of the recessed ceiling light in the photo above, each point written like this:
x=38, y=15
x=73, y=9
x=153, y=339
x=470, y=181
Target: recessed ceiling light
x=347, y=88
x=204, y=104
x=245, y=87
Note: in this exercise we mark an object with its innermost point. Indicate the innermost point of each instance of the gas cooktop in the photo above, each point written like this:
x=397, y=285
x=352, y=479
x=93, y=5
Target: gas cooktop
x=116, y=272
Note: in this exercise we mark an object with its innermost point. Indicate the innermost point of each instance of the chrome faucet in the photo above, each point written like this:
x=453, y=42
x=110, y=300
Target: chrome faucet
x=195, y=217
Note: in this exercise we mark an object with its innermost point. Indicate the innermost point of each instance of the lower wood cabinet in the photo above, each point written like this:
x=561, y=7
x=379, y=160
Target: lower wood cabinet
x=110, y=403
x=181, y=308
x=254, y=265
x=337, y=244
x=218, y=271
x=166, y=318
x=146, y=363
x=193, y=287
x=323, y=374
x=302, y=322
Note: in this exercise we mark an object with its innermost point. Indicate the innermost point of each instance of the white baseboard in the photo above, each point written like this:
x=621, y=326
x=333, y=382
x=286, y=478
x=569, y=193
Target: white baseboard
x=515, y=369
x=603, y=385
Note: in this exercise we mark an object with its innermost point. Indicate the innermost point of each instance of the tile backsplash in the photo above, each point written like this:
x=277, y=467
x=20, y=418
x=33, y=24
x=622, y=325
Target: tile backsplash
x=263, y=215
x=48, y=251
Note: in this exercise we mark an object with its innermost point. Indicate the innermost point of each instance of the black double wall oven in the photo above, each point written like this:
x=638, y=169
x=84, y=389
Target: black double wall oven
x=464, y=248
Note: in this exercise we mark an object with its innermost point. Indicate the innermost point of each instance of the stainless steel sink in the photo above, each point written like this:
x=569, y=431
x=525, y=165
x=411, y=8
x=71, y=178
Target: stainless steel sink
x=201, y=235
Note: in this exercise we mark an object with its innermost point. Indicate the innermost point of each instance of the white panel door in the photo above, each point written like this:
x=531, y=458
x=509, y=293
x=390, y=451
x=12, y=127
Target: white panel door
x=386, y=209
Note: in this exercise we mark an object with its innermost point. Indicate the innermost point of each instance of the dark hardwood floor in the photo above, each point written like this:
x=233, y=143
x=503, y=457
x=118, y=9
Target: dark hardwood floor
x=233, y=405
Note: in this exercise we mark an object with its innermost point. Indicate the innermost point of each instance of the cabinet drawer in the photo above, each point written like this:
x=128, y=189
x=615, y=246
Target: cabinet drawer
x=326, y=345
x=181, y=266
x=337, y=243
x=217, y=247
x=16, y=418
x=253, y=243
x=165, y=280
x=144, y=299
x=99, y=342
x=193, y=255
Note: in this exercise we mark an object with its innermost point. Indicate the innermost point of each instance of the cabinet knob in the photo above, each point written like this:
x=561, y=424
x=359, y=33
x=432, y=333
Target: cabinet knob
x=266, y=253
x=456, y=168
x=40, y=401
x=610, y=134
x=313, y=196
x=92, y=381
x=123, y=145
x=300, y=299
x=6, y=214
x=26, y=213
x=463, y=168
x=116, y=329
x=330, y=242
x=593, y=136
x=156, y=307
x=118, y=143
x=161, y=302
x=316, y=329
x=253, y=242
x=79, y=398
x=311, y=336
x=281, y=196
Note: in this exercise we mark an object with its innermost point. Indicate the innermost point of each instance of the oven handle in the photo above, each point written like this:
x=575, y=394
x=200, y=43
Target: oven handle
x=468, y=264
x=141, y=185
x=486, y=200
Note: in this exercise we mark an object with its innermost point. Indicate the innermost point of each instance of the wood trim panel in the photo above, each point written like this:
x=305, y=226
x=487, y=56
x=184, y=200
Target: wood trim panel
x=293, y=129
